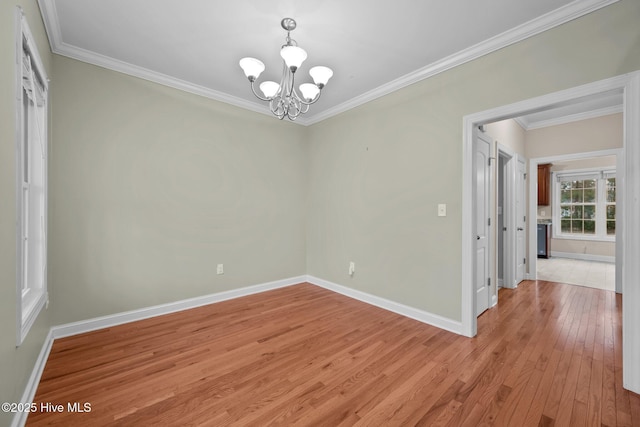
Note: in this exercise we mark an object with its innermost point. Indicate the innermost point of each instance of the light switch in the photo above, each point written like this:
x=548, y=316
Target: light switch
x=442, y=209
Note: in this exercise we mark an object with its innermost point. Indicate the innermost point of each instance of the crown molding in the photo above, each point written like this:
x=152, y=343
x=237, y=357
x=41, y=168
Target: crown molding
x=564, y=14
x=571, y=118
x=521, y=122
x=154, y=76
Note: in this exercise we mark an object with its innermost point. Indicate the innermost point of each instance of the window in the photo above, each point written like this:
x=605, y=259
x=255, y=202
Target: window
x=31, y=158
x=586, y=202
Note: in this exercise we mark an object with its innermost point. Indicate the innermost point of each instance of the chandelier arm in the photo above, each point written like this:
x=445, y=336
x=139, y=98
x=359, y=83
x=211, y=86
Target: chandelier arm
x=301, y=108
x=296, y=108
x=313, y=101
x=253, y=89
x=276, y=105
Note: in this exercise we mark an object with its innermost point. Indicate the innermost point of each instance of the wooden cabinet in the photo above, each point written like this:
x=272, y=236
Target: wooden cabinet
x=544, y=178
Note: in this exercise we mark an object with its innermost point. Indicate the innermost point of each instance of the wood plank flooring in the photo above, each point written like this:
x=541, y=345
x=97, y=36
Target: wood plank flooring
x=548, y=354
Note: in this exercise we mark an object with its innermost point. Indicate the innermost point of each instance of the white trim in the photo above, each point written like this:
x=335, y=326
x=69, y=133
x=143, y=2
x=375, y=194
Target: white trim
x=28, y=308
x=580, y=156
x=582, y=237
x=543, y=23
x=20, y=418
x=404, y=310
x=520, y=160
x=597, y=174
x=585, y=257
x=96, y=323
x=630, y=233
x=627, y=231
x=109, y=63
x=564, y=14
x=571, y=118
x=468, y=294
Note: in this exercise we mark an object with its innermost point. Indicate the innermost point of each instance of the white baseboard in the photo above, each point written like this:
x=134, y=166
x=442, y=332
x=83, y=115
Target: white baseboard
x=20, y=418
x=404, y=310
x=89, y=325
x=586, y=257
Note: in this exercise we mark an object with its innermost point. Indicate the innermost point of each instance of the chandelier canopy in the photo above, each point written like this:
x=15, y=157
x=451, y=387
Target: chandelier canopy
x=284, y=100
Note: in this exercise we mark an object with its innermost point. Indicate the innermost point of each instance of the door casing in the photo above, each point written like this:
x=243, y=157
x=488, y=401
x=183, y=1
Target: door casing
x=627, y=250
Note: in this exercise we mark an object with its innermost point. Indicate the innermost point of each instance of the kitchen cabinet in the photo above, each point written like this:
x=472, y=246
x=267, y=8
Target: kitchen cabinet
x=544, y=184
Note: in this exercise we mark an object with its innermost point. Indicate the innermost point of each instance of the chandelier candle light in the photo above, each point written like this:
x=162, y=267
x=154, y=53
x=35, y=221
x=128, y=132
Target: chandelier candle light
x=283, y=98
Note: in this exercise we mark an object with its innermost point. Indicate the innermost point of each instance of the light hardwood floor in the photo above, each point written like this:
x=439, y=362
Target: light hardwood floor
x=546, y=355
x=599, y=275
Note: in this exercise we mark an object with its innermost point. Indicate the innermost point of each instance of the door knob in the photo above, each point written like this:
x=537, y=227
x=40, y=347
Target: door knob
x=477, y=237
x=520, y=228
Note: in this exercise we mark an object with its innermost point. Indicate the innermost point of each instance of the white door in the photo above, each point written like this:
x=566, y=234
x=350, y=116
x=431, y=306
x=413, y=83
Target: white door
x=482, y=174
x=521, y=209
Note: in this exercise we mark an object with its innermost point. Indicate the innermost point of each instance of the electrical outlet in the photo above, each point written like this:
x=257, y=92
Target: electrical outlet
x=220, y=269
x=352, y=268
x=442, y=209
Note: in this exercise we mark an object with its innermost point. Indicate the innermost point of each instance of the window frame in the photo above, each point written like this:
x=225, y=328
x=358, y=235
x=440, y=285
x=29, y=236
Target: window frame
x=601, y=203
x=31, y=297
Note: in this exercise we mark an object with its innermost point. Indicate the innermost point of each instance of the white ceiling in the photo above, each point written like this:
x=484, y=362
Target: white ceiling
x=373, y=46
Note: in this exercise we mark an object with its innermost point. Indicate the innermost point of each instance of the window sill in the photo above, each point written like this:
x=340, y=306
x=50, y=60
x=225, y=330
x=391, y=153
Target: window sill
x=583, y=238
x=32, y=305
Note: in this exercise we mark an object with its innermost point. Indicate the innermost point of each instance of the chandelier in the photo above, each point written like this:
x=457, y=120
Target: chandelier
x=284, y=100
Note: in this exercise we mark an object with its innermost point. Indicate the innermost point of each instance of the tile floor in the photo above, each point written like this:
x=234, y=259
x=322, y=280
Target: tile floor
x=600, y=275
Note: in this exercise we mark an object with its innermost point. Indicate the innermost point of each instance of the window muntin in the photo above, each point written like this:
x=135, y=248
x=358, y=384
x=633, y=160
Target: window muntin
x=586, y=202
x=611, y=206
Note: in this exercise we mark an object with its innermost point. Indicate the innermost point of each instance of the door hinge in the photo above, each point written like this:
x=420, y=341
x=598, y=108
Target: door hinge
x=489, y=281
x=524, y=260
x=524, y=218
x=489, y=221
x=525, y=176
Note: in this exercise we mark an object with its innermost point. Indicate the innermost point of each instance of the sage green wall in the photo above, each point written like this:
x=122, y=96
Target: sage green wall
x=152, y=187
x=377, y=172
x=16, y=364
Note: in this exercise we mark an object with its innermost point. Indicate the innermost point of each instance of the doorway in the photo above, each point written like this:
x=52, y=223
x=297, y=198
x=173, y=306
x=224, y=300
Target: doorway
x=627, y=232
x=500, y=210
x=602, y=169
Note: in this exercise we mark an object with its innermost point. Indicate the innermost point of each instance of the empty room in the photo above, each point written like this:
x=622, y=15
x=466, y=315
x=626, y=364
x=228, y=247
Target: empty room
x=317, y=213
